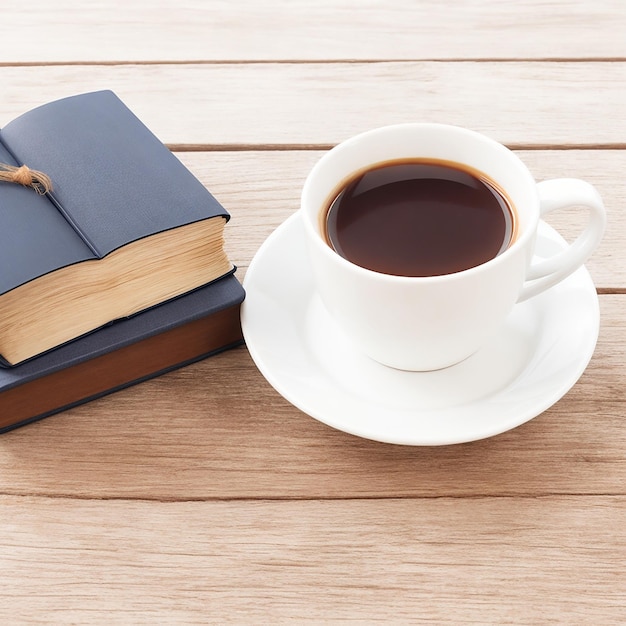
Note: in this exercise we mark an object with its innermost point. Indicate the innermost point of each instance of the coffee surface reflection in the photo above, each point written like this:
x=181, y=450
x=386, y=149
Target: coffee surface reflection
x=419, y=218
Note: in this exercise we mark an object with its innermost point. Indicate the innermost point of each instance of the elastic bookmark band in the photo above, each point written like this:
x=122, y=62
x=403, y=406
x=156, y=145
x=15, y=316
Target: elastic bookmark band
x=23, y=175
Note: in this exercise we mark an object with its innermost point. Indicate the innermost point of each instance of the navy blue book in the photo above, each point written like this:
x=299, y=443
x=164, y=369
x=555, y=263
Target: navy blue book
x=125, y=228
x=173, y=334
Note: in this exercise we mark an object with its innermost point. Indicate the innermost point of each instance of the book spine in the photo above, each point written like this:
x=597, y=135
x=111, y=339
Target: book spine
x=56, y=391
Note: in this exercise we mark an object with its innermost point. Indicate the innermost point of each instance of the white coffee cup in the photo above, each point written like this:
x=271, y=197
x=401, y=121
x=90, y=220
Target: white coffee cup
x=427, y=323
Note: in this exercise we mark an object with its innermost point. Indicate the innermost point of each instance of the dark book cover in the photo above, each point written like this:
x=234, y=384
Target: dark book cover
x=114, y=183
x=113, y=179
x=126, y=352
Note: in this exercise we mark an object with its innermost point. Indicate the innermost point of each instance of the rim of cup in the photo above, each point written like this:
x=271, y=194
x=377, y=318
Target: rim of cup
x=312, y=214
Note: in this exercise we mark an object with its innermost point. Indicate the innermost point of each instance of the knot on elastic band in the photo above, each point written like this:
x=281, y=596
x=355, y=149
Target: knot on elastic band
x=23, y=175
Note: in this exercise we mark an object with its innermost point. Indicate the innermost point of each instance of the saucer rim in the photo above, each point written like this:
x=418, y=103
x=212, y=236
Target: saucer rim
x=505, y=425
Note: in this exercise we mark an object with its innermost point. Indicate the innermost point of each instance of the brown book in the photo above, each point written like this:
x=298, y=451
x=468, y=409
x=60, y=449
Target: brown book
x=174, y=334
x=125, y=227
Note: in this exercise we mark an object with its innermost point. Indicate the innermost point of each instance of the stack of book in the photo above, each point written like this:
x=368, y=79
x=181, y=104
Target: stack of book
x=116, y=274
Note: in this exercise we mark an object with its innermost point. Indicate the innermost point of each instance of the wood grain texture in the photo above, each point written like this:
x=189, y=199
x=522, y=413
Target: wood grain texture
x=319, y=104
x=444, y=561
x=142, y=30
x=217, y=430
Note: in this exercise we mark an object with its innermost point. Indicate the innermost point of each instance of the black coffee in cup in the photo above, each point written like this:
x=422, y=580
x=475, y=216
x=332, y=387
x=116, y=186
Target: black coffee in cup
x=419, y=218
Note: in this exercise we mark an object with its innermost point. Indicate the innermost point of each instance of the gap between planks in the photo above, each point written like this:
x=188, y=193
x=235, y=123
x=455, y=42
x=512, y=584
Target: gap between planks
x=611, y=291
x=310, y=147
x=299, y=498
x=270, y=61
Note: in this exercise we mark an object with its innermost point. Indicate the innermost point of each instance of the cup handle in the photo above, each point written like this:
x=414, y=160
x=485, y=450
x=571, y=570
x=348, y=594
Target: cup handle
x=557, y=194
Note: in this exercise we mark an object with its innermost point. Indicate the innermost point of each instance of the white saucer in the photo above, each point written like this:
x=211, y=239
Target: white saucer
x=533, y=361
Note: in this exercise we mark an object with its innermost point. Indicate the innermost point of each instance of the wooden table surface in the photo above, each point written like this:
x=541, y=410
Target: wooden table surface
x=203, y=496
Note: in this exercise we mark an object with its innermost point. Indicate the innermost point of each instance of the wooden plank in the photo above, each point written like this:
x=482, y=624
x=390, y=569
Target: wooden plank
x=143, y=30
x=520, y=103
x=445, y=561
x=217, y=429
x=262, y=188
